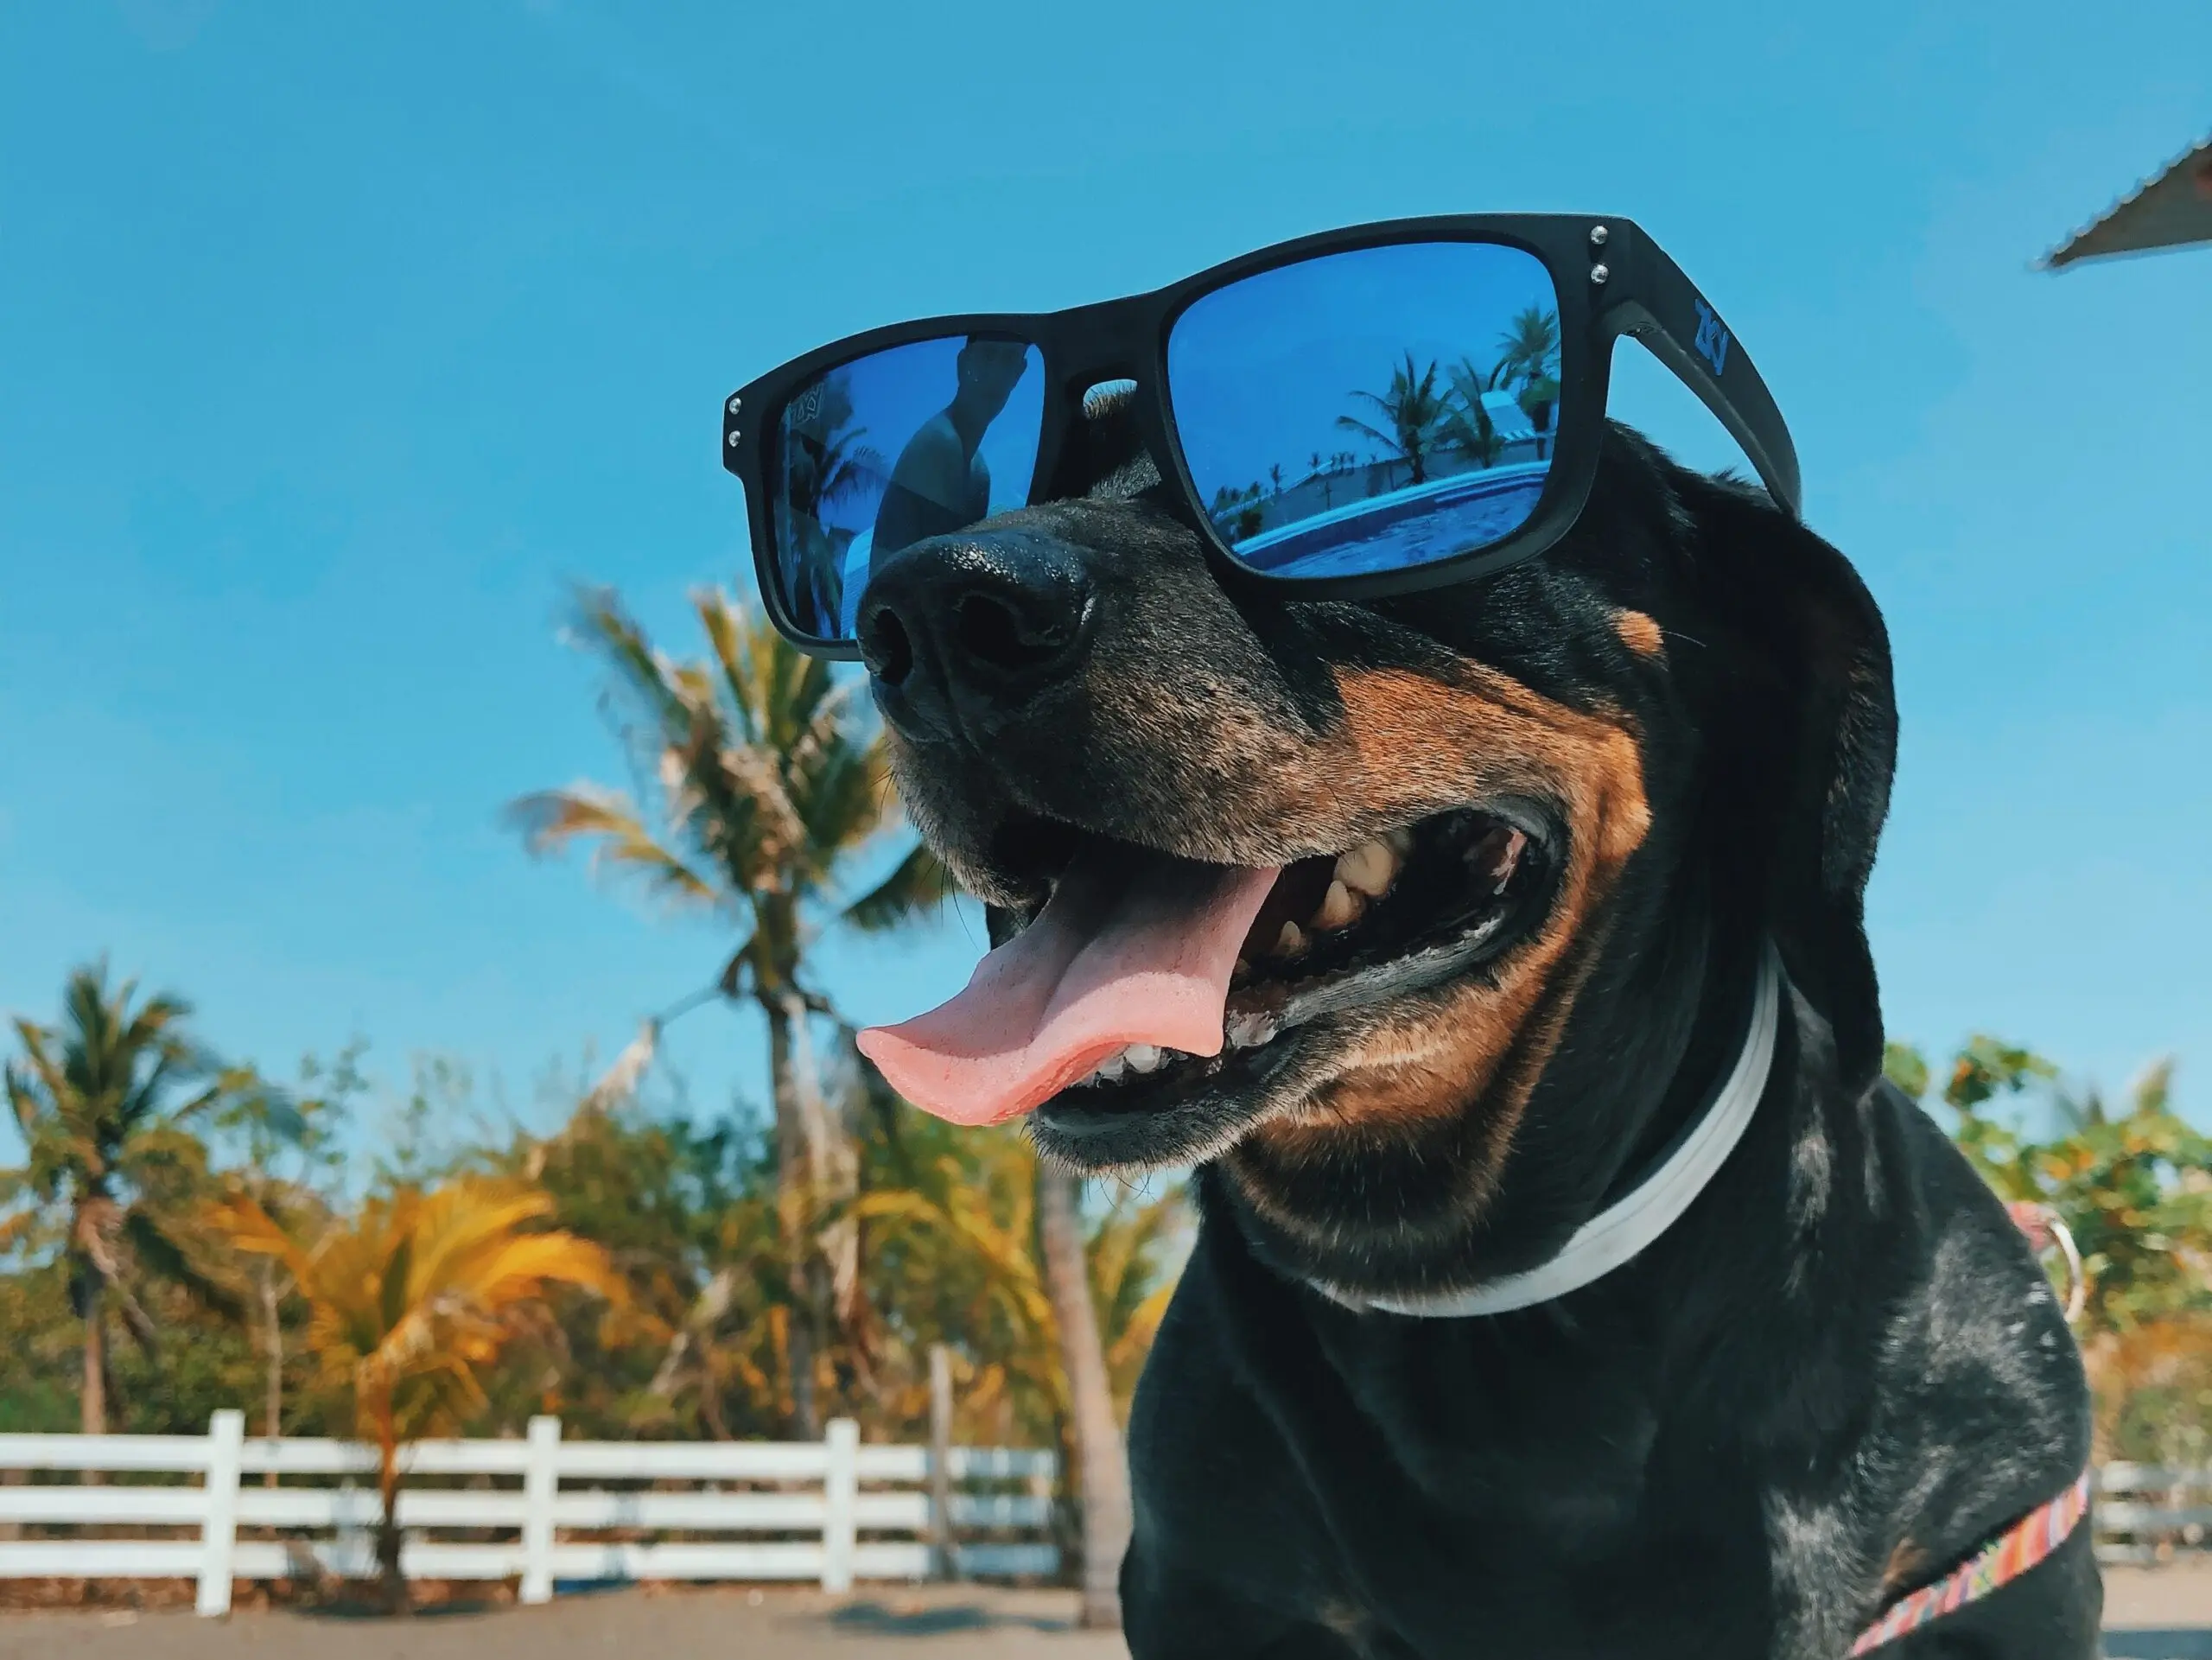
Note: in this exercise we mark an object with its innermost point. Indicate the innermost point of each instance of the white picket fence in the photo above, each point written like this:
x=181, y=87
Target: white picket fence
x=837, y=1511
x=2145, y=1514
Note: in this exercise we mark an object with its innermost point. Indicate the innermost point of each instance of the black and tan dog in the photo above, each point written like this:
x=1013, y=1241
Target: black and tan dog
x=1536, y=834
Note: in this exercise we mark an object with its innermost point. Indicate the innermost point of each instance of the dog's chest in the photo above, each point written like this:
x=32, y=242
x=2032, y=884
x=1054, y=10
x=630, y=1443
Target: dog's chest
x=1407, y=1499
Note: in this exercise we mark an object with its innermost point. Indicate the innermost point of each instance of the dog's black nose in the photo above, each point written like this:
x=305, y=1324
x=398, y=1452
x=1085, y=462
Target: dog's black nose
x=959, y=631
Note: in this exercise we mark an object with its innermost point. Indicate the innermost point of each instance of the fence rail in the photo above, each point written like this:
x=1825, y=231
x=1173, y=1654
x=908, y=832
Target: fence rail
x=832, y=1501
x=2147, y=1513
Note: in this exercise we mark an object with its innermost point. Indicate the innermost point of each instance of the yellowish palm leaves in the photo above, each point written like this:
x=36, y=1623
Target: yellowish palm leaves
x=974, y=1219
x=420, y=1288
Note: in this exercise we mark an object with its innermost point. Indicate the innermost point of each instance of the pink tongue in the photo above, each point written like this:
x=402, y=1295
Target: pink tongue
x=1134, y=948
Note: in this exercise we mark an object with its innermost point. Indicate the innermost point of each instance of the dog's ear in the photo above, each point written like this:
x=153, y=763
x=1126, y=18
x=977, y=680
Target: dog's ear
x=1813, y=731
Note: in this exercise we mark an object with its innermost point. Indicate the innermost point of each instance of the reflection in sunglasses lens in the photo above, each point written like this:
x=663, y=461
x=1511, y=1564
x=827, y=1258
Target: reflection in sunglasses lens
x=1372, y=410
x=918, y=441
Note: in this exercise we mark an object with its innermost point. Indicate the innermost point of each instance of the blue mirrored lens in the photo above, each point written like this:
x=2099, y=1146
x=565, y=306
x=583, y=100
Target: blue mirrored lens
x=1371, y=410
x=917, y=441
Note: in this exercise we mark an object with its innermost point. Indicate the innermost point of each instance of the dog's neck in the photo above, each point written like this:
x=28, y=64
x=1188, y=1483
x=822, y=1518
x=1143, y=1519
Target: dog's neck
x=1653, y=1202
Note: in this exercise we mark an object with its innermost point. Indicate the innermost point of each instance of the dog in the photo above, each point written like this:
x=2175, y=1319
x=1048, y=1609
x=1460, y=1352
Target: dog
x=1546, y=842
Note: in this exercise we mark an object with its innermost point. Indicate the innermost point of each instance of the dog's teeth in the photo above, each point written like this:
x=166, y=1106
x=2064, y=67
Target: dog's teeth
x=1248, y=1029
x=1291, y=942
x=1339, y=908
x=1504, y=860
x=1369, y=868
x=1143, y=1057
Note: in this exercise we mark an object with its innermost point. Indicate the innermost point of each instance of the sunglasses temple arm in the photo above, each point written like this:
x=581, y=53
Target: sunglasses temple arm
x=1665, y=313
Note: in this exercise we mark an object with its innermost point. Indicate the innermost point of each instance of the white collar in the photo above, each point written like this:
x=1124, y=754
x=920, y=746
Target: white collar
x=1617, y=1233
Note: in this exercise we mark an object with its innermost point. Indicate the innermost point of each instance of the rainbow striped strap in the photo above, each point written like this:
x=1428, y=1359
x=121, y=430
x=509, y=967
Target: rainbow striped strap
x=2030, y=1539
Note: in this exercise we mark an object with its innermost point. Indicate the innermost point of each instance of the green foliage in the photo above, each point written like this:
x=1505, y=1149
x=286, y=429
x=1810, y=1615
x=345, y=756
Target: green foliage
x=2134, y=1188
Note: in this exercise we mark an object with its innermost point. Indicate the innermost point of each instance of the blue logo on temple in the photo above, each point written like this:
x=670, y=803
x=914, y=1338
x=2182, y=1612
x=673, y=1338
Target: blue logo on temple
x=1712, y=342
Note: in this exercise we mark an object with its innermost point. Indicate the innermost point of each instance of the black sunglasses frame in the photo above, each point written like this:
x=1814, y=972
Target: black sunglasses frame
x=1611, y=280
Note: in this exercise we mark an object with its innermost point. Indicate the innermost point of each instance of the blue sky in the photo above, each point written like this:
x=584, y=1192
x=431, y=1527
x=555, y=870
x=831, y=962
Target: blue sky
x=335, y=340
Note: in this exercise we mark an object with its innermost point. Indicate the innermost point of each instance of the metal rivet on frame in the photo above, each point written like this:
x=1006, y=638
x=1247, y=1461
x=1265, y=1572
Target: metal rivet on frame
x=1599, y=274
x=738, y=404
x=1597, y=235
x=732, y=441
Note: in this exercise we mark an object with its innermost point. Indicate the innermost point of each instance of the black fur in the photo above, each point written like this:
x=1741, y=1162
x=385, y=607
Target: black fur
x=1835, y=1378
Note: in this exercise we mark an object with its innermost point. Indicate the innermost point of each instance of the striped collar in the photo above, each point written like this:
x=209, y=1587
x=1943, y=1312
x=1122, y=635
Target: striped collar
x=2013, y=1552
x=1621, y=1231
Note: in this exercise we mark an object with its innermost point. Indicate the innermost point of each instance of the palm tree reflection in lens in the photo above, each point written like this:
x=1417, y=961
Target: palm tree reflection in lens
x=1415, y=413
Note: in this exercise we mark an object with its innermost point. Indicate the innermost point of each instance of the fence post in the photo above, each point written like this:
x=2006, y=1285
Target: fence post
x=944, y=1552
x=841, y=1492
x=541, y=1480
x=219, y=1523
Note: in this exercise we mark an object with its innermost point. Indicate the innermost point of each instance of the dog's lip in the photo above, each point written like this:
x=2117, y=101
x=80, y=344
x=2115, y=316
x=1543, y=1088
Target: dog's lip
x=1086, y=1111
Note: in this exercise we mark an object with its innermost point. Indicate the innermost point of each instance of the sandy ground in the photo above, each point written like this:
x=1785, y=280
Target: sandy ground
x=2160, y=1613
x=2154, y=1614
x=926, y=1623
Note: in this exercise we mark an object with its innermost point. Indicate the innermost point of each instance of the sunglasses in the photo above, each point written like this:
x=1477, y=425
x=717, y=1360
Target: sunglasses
x=1358, y=414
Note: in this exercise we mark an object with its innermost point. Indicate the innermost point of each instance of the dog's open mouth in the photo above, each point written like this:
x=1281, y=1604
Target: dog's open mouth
x=1147, y=978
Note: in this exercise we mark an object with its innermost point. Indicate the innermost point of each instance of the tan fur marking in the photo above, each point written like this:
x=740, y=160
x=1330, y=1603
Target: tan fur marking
x=1640, y=633
x=1421, y=745
x=1347, y=1621
x=1906, y=1564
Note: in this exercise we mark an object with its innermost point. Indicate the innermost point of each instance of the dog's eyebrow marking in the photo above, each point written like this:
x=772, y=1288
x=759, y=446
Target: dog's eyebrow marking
x=1418, y=742
x=1640, y=633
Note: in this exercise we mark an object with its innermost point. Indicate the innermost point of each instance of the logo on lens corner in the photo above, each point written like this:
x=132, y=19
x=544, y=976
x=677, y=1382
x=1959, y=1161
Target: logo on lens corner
x=1712, y=342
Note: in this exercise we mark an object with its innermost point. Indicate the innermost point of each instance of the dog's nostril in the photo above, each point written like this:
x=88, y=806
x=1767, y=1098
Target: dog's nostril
x=885, y=648
x=991, y=630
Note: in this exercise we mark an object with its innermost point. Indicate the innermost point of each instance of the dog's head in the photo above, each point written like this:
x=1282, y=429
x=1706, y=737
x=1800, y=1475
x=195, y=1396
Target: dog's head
x=1521, y=825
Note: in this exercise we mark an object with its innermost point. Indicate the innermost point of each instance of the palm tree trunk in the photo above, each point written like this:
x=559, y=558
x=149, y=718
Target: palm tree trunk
x=93, y=1400
x=832, y=1171
x=794, y=1212
x=1103, y=1470
x=273, y=1401
x=390, y=1574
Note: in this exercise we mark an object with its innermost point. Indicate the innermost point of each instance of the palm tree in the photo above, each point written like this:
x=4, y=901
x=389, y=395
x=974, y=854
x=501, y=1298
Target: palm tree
x=825, y=462
x=113, y=1158
x=764, y=786
x=1468, y=424
x=1414, y=413
x=408, y=1298
x=1528, y=350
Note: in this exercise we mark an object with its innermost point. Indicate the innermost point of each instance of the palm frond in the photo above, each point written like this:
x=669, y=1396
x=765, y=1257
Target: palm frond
x=918, y=883
x=156, y=1248
x=550, y=819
